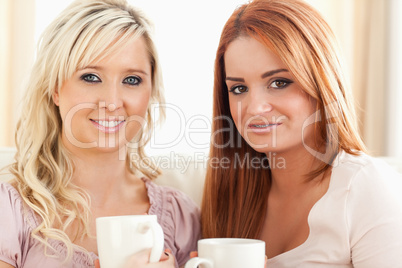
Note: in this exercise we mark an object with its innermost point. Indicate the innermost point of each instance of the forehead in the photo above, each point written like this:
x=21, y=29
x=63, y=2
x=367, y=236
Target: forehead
x=249, y=55
x=127, y=50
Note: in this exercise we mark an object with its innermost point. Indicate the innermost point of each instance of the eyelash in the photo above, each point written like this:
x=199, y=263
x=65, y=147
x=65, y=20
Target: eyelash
x=96, y=79
x=136, y=83
x=85, y=77
x=285, y=81
x=232, y=89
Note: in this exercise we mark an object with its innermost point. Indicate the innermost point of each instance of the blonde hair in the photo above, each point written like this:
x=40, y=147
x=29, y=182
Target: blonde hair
x=302, y=39
x=85, y=31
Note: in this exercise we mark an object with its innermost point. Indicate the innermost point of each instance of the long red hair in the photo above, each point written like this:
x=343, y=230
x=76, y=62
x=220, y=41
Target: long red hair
x=235, y=196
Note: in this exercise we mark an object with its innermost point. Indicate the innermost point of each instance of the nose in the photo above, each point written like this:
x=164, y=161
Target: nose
x=111, y=98
x=258, y=101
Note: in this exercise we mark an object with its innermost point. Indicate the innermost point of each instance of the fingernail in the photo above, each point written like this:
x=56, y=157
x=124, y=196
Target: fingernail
x=167, y=254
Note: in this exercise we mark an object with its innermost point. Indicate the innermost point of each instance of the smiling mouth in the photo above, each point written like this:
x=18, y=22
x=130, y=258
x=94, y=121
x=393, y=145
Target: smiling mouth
x=108, y=124
x=263, y=125
x=263, y=128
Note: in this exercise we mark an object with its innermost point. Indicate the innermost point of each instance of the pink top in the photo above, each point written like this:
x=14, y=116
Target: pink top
x=177, y=214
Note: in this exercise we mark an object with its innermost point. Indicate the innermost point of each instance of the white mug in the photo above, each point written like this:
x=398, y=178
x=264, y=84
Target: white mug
x=119, y=237
x=229, y=252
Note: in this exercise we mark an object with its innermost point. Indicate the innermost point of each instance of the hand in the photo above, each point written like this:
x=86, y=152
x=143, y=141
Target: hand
x=193, y=254
x=141, y=260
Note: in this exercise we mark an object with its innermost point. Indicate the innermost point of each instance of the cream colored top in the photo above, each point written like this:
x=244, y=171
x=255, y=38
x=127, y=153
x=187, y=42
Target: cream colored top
x=357, y=223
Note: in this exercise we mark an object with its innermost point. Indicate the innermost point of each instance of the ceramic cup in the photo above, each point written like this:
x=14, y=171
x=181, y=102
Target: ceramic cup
x=229, y=252
x=120, y=237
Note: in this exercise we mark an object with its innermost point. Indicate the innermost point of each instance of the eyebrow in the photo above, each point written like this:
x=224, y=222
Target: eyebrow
x=271, y=73
x=129, y=70
x=264, y=75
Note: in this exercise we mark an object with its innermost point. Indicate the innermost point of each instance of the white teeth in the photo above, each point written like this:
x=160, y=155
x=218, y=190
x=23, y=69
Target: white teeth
x=109, y=123
x=262, y=126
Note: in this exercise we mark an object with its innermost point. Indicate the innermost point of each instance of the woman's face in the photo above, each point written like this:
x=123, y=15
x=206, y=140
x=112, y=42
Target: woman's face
x=103, y=105
x=268, y=106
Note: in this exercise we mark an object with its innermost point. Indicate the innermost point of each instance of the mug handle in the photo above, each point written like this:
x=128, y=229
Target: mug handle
x=158, y=243
x=194, y=262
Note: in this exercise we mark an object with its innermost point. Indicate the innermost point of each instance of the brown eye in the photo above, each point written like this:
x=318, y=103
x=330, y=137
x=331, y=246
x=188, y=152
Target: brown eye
x=280, y=83
x=238, y=89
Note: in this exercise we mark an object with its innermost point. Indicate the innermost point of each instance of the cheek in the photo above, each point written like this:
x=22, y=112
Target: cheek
x=305, y=117
x=138, y=97
x=72, y=111
x=72, y=101
x=234, y=110
x=140, y=103
x=300, y=106
x=237, y=111
x=66, y=109
x=137, y=109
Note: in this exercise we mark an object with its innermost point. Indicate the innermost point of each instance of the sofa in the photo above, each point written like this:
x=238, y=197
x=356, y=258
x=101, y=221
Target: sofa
x=183, y=172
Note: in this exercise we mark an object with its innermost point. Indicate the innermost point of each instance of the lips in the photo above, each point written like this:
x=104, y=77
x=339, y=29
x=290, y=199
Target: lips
x=263, y=127
x=108, y=126
x=108, y=123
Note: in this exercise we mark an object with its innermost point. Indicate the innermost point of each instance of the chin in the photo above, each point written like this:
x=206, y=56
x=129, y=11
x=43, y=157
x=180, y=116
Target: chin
x=262, y=148
x=111, y=145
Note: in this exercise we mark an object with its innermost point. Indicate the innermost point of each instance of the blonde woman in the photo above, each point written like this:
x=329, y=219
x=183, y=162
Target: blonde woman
x=287, y=163
x=86, y=116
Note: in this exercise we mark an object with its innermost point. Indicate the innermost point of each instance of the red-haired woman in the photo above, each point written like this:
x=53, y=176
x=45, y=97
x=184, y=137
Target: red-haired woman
x=287, y=164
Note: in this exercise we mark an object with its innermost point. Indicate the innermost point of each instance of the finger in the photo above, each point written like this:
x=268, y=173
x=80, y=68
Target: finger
x=193, y=254
x=164, y=256
x=170, y=261
x=138, y=259
x=97, y=264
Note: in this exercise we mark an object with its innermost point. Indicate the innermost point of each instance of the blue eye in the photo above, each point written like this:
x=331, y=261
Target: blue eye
x=238, y=90
x=280, y=83
x=132, y=80
x=90, y=78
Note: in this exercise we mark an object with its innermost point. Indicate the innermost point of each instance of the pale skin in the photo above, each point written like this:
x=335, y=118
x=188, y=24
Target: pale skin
x=269, y=109
x=117, y=87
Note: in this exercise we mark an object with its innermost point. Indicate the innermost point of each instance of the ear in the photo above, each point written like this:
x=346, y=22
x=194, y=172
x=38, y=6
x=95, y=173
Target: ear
x=55, y=96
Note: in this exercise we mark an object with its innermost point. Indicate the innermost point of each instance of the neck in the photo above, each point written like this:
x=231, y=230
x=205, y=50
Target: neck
x=290, y=177
x=97, y=169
